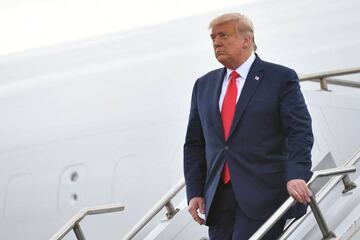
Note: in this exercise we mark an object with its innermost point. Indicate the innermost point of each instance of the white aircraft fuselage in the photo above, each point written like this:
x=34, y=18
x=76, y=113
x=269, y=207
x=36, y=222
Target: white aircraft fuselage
x=102, y=120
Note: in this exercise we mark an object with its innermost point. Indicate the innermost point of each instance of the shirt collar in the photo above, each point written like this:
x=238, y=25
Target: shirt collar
x=243, y=69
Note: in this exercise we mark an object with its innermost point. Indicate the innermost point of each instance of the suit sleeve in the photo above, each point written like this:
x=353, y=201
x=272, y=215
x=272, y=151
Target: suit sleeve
x=296, y=122
x=194, y=152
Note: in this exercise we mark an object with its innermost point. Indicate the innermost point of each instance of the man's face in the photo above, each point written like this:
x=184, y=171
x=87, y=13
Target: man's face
x=230, y=46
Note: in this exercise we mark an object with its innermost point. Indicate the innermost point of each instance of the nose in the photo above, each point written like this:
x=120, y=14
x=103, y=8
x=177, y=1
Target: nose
x=216, y=42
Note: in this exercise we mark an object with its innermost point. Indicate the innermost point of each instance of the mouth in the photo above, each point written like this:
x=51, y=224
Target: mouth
x=219, y=52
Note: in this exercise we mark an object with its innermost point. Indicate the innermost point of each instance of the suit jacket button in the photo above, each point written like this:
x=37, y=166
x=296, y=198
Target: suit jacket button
x=226, y=147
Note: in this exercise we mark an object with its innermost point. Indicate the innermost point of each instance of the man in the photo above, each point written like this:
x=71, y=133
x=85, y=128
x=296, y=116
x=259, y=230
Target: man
x=249, y=138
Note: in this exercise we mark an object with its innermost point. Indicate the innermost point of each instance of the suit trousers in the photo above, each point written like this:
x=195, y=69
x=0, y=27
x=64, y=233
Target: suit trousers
x=227, y=221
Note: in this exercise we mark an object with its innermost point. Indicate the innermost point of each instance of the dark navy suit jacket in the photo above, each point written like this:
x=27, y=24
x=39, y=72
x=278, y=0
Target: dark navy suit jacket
x=269, y=144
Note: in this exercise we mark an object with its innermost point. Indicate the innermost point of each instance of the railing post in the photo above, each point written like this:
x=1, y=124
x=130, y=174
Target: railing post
x=327, y=234
x=171, y=211
x=78, y=232
x=348, y=184
x=323, y=84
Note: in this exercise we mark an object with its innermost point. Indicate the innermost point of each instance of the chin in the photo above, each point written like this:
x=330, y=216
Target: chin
x=222, y=60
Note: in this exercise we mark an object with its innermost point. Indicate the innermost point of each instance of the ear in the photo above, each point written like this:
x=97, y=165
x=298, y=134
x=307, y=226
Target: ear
x=246, y=41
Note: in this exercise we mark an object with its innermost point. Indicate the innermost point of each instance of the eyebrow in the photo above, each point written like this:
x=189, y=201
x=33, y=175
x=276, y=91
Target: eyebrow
x=218, y=33
x=213, y=34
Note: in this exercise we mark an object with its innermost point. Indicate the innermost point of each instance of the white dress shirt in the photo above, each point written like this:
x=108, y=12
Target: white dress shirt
x=243, y=71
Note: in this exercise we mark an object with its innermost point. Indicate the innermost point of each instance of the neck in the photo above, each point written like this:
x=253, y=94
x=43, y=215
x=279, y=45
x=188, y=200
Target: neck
x=240, y=61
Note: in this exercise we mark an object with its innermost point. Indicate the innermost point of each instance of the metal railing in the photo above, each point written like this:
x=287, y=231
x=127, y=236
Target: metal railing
x=323, y=192
x=164, y=202
x=324, y=78
x=327, y=234
x=171, y=212
x=74, y=222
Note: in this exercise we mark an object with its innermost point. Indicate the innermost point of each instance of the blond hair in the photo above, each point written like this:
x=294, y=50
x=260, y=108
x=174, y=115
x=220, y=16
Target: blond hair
x=243, y=24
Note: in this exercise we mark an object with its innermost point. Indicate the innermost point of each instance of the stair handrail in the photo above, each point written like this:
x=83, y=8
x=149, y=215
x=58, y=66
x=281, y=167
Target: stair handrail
x=323, y=78
x=323, y=192
x=165, y=201
x=74, y=222
x=348, y=168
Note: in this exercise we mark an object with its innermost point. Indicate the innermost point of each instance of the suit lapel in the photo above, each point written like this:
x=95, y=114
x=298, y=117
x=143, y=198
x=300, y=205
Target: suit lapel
x=252, y=81
x=219, y=77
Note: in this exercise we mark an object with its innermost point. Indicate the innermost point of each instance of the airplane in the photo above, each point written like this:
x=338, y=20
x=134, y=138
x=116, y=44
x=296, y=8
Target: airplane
x=102, y=120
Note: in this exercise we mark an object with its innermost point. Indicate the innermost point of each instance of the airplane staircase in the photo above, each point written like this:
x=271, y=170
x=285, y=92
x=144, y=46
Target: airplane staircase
x=312, y=226
x=333, y=213
x=341, y=213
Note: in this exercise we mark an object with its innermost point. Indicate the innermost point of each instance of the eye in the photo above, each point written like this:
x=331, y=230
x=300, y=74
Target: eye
x=224, y=35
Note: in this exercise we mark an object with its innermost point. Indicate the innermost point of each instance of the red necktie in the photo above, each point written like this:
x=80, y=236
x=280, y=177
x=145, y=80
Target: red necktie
x=227, y=115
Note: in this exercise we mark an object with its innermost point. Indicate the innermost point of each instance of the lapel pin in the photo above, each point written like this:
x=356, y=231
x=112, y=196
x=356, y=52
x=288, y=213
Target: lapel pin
x=257, y=78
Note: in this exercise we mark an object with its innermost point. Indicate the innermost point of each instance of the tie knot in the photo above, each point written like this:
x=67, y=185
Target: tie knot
x=234, y=75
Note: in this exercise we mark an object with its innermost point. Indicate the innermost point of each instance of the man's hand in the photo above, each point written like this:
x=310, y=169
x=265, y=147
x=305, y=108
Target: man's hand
x=195, y=204
x=298, y=189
